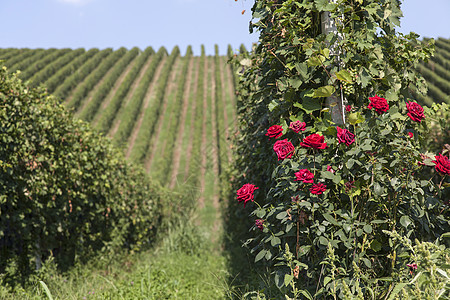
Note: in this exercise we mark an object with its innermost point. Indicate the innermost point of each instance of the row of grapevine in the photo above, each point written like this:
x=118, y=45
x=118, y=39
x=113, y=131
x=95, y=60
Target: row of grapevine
x=25, y=53
x=159, y=157
x=30, y=61
x=88, y=112
x=133, y=108
x=42, y=63
x=184, y=134
x=8, y=53
x=152, y=111
x=437, y=74
x=80, y=93
x=195, y=129
x=46, y=72
x=59, y=76
x=106, y=118
x=71, y=82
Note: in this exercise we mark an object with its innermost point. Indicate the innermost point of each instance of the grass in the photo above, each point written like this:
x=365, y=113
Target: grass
x=184, y=266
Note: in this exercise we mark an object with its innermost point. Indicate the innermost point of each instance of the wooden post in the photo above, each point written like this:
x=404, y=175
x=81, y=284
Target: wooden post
x=336, y=101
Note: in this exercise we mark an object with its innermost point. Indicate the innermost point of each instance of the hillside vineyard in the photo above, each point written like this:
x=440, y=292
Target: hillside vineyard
x=173, y=114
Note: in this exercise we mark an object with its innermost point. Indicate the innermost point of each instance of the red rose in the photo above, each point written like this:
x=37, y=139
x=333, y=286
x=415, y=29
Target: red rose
x=304, y=175
x=415, y=111
x=442, y=164
x=283, y=149
x=245, y=193
x=380, y=104
x=348, y=108
x=318, y=188
x=297, y=126
x=274, y=131
x=345, y=136
x=410, y=134
x=314, y=141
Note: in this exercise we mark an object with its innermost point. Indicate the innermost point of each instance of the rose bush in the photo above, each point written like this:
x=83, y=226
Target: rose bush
x=331, y=233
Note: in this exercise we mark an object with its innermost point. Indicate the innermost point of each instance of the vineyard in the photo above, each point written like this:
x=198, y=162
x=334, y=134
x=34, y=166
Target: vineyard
x=172, y=114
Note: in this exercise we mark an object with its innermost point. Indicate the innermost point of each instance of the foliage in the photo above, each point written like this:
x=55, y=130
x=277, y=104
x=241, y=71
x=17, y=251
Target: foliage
x=82, y=90
x=88, y=111
x=131, y=110
x=71, y=82
x=64, y=191
x=107, y=117
x=315, y=242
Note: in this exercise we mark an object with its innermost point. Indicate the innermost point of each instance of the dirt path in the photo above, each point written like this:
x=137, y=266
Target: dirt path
x=178, y=142
x=171, y=85
x=145, y=104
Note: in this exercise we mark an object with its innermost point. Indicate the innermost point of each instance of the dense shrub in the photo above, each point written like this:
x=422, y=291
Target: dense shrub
x=64, y=190
x=340, y=176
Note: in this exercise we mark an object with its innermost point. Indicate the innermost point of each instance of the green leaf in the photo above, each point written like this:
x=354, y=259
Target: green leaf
x=315, y=61
x=324, y=91
x=306, y=294
x=295, y=82
x=397, y=289
x=330, y=219
x=355, y=118
x=275, y=241
x=273, y=105
x=287, y=279
x=377, y=189
x=302, y=69
x=405, y=221
x=367, y=262
x=46, y=290
x=344, y=75
x=260, y=255
x=375, y=245
x=309, y=105
x=323, y=241
x=367, y=228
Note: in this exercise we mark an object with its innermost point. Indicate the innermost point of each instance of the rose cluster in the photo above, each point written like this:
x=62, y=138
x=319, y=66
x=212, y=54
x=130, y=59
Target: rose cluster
x=284, y=149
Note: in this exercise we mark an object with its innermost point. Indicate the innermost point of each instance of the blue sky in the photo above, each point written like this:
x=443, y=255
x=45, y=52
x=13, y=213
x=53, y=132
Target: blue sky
x=156, y=23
